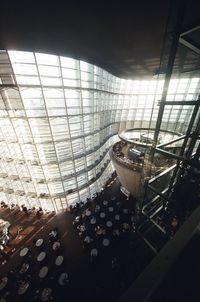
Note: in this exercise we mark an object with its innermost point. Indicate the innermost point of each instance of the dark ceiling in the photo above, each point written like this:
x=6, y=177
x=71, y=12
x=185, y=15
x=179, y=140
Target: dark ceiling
x=123, y=37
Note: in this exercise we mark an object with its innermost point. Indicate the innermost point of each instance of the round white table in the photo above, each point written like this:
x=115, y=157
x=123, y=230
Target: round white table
x=41, y=256
x=3, y=282
x=106, y=242
x=105, y=202
x=63, y=279
x=110, y=209
x=23, y=288
x=88, y=213
x=93, y=221
x=24, y=252
x=56, y=245
x=43, y=272
x=39, y=242
x=109, y=224
x=102, y=215
x=77, y=219
x=59, y=260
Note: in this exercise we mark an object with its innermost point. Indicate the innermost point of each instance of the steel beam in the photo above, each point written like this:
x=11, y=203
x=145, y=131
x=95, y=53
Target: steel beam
x=161, y=174
x=189, y=31
x=181, y=103
x=189, y=44
x=170, y=154
x=171, y=141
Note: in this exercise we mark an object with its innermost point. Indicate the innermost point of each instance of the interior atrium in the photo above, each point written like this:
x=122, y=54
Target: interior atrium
x=99, y=175
x=60, y=116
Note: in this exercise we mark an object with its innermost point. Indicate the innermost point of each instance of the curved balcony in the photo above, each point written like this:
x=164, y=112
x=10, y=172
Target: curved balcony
x=131, y=157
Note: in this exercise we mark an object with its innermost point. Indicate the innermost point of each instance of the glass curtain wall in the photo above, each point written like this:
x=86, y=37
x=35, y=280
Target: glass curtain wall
x=58, y=118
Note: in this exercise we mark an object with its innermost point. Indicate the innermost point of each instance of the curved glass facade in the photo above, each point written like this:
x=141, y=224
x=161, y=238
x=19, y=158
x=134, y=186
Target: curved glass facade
x=58, y=118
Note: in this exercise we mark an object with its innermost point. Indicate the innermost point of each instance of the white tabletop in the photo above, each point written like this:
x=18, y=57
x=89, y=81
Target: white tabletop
x=106, y=242
x=102, y=215
x=109, y=224
x=23, y=252
x=77, y=219
x=23, y=288
x=110, y=209
x=63, y=279
x=93, y=221
x=88, y=213
x=39, y=242
x=43, y=272
x=3, y=282
x=59, y=260
x=41, y=256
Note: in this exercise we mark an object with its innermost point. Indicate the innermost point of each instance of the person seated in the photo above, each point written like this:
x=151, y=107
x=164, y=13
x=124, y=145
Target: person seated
x=125, y=227
x=88, y=240
x=71, y=208
x=82, y=228
x=53, y=235
x=97, y=208
x=25, y=210
x=77, y=205
x=116, y=232
x=174, y=224
x=78, y=221
x=12, y=206
x=65, y=279
x=24, y=268
x=114, y=263
x=40, y=210
x=33, y=210
x=82, y=204
x=56, y=246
